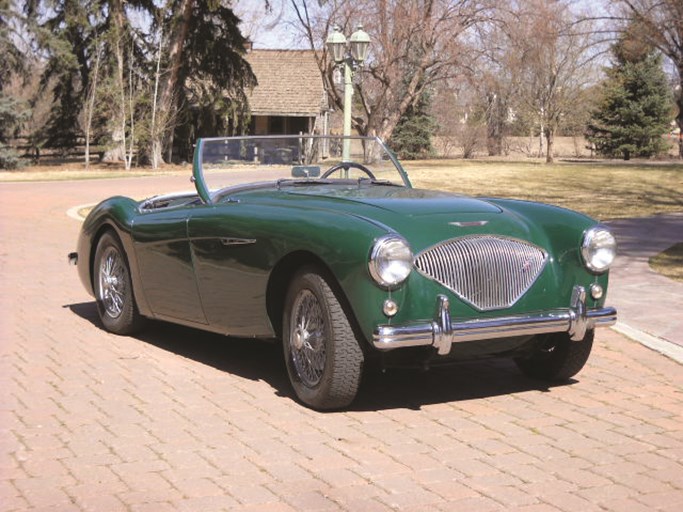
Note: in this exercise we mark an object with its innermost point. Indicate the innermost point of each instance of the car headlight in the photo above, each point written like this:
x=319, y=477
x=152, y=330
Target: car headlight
x=391, y=261
x=598, y=249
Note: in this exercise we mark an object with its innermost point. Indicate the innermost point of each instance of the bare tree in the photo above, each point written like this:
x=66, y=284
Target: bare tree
x=415, y=44
x=556, y=62
x=662, y=22
x=495, y=73
x=460, y=118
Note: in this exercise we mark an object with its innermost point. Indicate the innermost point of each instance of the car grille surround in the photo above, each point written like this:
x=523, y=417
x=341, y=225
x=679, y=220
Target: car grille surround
x=488, y=272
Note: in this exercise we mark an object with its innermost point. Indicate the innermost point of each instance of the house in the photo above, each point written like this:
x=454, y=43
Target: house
x=290, y=97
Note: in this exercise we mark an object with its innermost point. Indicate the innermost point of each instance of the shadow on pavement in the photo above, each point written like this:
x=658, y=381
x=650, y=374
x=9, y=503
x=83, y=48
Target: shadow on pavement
x=643, y=237
x=248, y=358
x=395, y=388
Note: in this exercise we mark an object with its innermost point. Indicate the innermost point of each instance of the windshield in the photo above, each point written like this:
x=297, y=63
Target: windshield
x=292, y=159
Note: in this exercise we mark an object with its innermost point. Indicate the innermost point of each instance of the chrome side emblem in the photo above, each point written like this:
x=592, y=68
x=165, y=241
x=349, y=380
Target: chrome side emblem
x=470, y=224
x=238, y=241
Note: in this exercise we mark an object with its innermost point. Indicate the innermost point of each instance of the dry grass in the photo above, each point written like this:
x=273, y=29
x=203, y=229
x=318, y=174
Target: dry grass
x=603, y=190
x=669, y=263
x=77, y=171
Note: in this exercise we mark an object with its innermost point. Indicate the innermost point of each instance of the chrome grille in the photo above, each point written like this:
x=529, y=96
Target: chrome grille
x=489, y=272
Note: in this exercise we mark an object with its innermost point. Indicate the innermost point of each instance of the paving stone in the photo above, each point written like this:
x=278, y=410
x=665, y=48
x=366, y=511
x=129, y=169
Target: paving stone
x=177, y=419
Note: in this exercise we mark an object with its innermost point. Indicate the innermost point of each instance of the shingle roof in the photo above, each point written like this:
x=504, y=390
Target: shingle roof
x=289, y=83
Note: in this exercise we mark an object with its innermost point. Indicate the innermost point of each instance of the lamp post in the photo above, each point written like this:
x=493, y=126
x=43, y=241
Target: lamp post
x=350, y=54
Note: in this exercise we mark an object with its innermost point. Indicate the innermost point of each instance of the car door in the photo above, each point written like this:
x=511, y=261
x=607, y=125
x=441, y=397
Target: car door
x=231, y=257
x=166, y=268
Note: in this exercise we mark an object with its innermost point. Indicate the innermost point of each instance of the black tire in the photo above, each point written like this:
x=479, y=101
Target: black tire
x=323, y=357
x=557, y=358
x=113, y=289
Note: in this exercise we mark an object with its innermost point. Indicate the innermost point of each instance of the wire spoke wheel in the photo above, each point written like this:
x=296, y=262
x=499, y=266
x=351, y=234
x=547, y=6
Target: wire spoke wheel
x=308, y=339
x=113, y=282
x=113, y=289
x=323, y=357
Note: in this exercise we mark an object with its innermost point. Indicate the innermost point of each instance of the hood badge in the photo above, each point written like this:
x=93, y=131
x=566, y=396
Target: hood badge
x=470, y=224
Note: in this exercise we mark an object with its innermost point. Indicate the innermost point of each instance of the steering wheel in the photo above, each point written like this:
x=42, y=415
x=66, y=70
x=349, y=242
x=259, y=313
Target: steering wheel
x=347, y=166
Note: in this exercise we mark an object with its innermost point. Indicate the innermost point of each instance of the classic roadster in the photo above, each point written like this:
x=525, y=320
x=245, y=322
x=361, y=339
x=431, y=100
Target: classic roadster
x=323, y=243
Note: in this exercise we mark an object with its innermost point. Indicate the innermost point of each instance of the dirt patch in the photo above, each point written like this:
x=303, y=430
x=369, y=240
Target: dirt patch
x=669, y=263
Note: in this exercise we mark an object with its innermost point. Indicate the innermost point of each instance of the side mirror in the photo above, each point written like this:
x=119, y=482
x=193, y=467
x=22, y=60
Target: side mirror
x=305, y=171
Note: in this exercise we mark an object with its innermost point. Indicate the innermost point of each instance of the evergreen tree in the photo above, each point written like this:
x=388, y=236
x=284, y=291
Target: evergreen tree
x=412, y=137
x=74, y=35
x=200, y=80
x=12, y=64
x=64, y=36
x=209, y=97
x=636, y=105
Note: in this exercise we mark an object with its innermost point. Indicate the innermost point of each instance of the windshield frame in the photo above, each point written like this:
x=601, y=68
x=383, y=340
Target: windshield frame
x=206, y=195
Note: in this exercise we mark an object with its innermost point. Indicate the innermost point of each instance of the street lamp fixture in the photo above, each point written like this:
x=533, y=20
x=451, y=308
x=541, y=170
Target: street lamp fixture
x=351, y=54
x=360, y=44
x=336, y=44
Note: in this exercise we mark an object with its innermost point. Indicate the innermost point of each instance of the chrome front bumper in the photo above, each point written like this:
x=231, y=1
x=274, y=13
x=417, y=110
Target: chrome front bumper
x=442, y=332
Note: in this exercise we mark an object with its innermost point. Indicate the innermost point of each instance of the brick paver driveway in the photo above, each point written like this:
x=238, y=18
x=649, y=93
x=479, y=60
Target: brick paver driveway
x=176, y=419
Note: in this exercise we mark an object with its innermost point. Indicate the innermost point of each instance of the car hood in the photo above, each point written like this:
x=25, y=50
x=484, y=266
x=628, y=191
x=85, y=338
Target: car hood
x=426, y=217
x=406, y=202
x=423, y=217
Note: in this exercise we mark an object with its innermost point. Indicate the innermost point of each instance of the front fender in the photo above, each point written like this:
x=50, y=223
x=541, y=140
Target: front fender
x=118, y=215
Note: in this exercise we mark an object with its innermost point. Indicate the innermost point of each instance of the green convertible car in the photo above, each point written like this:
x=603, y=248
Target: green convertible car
x=323, y=243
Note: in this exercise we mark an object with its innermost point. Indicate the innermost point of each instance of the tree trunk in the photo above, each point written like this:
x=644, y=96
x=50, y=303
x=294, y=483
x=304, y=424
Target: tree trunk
x=91, y=106
x=118, y=152
x=494, y=125
x=131, y=112
x=169, y=147
x=155, y=133
x=169, y=82
x=679, y=118
x=389, y=121
x=494, y=140
x=122, y=98
x=550, y=144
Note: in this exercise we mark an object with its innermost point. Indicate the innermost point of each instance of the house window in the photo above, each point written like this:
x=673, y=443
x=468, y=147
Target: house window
x=280, y=125
x=276, y=125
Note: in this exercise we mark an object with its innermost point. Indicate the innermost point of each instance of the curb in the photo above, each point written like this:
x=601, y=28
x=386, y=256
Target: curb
x=664, y=347
x=73, y=211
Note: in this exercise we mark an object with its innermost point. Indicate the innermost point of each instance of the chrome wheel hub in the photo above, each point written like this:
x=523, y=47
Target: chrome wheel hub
x=307, y=338
x=112, y=282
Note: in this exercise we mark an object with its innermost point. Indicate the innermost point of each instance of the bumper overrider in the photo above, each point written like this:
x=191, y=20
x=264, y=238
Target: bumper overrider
x=442, y=332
